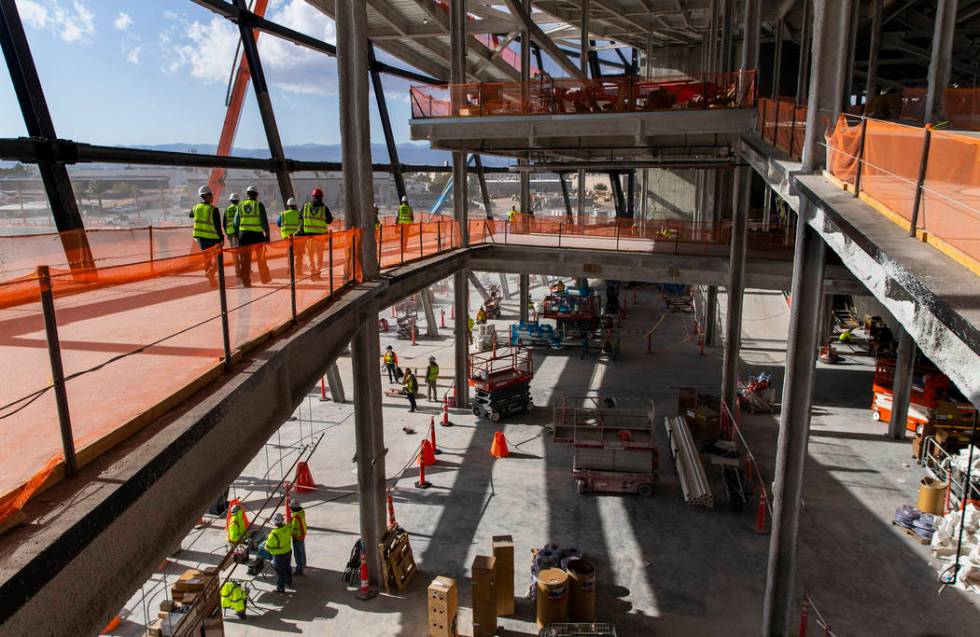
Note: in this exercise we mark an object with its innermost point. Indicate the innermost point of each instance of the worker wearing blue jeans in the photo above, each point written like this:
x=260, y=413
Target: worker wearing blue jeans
x=279, y=544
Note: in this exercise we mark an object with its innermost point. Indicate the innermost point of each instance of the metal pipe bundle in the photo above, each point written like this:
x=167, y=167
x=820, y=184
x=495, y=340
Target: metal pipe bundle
x=694, y=482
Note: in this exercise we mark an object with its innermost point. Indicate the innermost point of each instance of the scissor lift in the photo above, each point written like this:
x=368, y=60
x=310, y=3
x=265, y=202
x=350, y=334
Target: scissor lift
x=501, y=380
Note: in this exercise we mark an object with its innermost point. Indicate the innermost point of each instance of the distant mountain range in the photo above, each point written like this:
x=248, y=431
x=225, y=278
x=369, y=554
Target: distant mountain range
x=407, y=153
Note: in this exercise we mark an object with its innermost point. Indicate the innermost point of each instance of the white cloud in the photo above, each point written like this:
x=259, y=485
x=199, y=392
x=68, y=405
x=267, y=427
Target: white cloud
x=170, y=15
x=75, y=24
x=207, y=50
x=133, y=55
x=122, y=21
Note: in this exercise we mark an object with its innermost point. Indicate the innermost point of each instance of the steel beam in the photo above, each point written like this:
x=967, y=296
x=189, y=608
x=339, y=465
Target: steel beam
x=261, y=88
x=564, y=194
x=940, y=61
x=335, y=383
x=902, y=385
x=484, y=191
x=523, y=12
x=431, y=327
x=37, y=120
x=379, y=96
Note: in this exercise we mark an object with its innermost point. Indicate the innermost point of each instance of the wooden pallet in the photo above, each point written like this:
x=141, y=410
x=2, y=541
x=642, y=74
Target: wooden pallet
x=912, y=534
x=397, y=562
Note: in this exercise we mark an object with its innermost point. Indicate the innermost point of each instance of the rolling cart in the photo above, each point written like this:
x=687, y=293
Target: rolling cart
x=501, y=380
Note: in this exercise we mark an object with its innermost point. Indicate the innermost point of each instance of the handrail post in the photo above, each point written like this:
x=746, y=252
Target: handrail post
x=223, y=300
x=506, y=225
x=617, y=235
x=292, y=278
x=330, y=260
x=775, y=126
x=439, y=235
x=57, y=370
x=421, y=245
x=559, y=234
x=792, y=132
x=860, y=156
x=765, y=114
x=923, y=165
x=150, y=229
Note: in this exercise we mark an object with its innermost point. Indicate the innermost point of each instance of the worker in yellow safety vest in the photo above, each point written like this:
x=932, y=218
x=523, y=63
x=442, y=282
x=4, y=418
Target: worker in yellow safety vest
x=431, y=377
x=288, y=220
x=481, y=316
x=207, y=229
x=298, y=524
x=233, y=596
x=236, y=525
x=252, y=227
x=411, y=386
x=469, y=328
x=405, y=214
x=229, y=226
x=316, y=222
x=279, y=544
x=512, y=214
x=391, y=364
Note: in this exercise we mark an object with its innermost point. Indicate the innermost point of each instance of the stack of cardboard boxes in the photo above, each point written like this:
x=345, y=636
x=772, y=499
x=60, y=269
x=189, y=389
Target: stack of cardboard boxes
x=503, y=564
x=183, y=595
x=484, y=596
x=443, y=606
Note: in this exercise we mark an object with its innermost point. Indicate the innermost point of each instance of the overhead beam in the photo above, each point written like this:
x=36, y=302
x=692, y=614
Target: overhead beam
x=544, y=41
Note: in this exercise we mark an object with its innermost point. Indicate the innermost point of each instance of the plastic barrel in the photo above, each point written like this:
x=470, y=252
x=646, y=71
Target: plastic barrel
x=581, y=585
x=931, y=494
x=552, y=597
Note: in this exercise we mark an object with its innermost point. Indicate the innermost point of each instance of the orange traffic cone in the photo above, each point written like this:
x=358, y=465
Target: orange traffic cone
x=111, y=626
x=365, y=591
x=304, y=479
x=427, y=457
x=498, y=449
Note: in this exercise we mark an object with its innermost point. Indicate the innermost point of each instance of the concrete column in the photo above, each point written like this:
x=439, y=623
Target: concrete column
x=751, y=33
x=736, y=285
x=369, y=436
x=941, y=61
x=525, y=295
x=461, y=334
x=525, y=178
x=794, y=427
x=806, y=37
x=336, y=384
x=902, y=385
x=431, y=327
x=874, y=43
x=830, y=19
x=581, y=193
x=777, y=61
x=355, y=126
x=826, y=318
x=711, y=316
x=504, y=286
x=644, y=198
x=727, y=18
x=767, y=209
x=713, y=37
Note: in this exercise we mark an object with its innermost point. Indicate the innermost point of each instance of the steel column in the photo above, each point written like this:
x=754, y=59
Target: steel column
x=941, y=60
x=583, y=57
x=631, y=193
x=335, y=383
x=874, y=43
x=794, y=426
x=251, y=52
x=727, y=18
x=461, y=335
x=581, y=192
x=711, y=316
x=504, y=286
x=777, y=61
x=736, y=285
x=851, y=54
x=484, y=191
x=806, y=40
x=525, y=181
x=564, y=194
x=751, y=34
x=37, y=120
x=379, y=96
x=431, y=327
x=57, y=370
x=524, y=297
x=644, y=190
x=525, y=60
x=902, y=385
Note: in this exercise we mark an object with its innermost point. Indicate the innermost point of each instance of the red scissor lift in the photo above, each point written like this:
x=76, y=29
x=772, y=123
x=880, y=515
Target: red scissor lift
x=501, y=380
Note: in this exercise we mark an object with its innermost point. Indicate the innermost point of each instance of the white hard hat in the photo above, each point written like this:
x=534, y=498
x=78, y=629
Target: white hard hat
x=233, y=196
x=251, y=190
x=203, y=190
x=291, y=201
x=279, y=520
x=404, y=199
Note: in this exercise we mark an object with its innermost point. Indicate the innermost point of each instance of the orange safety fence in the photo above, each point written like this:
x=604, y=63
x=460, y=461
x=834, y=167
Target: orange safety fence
x=890, y=165
x=782, y=123
x=404, y=243
x=136, y=339
x=548, y=95
x=962, y=106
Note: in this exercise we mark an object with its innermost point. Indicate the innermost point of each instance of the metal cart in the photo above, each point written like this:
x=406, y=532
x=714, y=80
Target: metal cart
x=501, y=380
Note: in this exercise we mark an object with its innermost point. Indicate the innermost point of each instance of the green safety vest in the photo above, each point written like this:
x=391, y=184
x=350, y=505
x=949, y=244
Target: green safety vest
x=411, y=385
x=280, y=540
x=233, y=597
x=511, y=214
x=299, y=525
x=432, y=372
x=405, y=214
x=389, y=358
x=236, y=527
x=250, y=217
x=204, y=222
x=230, y=213
x=290, y=222
x=314, y=219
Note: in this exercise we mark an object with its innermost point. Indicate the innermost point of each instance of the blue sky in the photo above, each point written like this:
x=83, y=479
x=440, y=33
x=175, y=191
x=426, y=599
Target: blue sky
x=156, y=71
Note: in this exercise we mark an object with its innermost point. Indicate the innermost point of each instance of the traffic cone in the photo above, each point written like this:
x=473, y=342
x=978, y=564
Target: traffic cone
x=391, y=510
x=365, y=591
x=304, y=479
x=498, y=449
x=445, y=411
x=432, y=430
x=427, y=457
x=111, y=626
x=760, y=516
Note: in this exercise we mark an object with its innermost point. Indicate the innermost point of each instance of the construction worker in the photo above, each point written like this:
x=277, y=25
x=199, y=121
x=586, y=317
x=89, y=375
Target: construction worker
x=411, y=385
x=252, y=227
x=481, y=316
x=469, y=327
x=279, y=545
x=233, y=596
x=513, y=214
x=405, y=214
x=298, y=524
x=391, y=364
x=377, y=216
x=316, y=221
x=229, y=226
x=237, y=525
x=431, y=377
x=845, y=337
x=207, y=229
x=560, y=287
x=288, y=220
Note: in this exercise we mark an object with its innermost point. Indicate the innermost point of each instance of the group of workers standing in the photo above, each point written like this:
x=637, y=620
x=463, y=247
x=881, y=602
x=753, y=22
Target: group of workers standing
x=246, y=223
x=287, y=540
x=408, y=380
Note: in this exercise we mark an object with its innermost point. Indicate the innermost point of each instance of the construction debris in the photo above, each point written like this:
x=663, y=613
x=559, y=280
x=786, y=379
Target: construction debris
x=694, y=482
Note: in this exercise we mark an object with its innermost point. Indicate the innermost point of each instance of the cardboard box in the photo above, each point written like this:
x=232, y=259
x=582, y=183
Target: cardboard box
x=443, y=607
x=503, y=577
x=166, y=605
x=482, y=569
x=442, y=628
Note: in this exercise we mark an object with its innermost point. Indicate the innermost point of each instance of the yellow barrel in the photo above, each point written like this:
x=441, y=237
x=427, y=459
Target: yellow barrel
x=552, y=596
x=581, y=575
x=931, y=496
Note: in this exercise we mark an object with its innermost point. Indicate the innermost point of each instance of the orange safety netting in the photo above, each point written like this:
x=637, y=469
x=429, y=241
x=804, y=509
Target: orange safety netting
x=892, y=153
x=136, y=339
x=951, y=192
x=403, y=243
x=843, y=146
x=962, y=106
x=547, y=95
x=783, y=124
